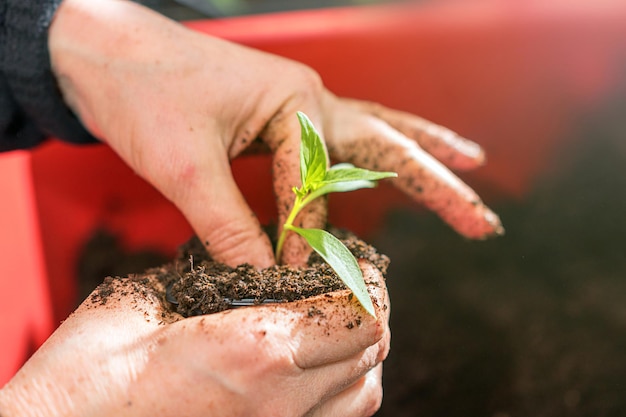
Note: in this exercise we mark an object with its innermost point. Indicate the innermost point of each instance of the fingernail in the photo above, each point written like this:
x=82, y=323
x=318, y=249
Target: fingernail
x=474, y=151
x=494, y=221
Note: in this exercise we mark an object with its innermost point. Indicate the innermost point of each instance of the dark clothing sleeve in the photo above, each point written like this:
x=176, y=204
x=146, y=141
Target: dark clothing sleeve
x=31, y=106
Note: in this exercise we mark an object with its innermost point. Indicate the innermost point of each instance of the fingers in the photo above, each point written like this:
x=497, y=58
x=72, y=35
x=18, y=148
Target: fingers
x=308, y=350
x=340, y=318
x=445, y=145
x=222, y=219
x=288, y=356
x=361, y=399
x=283, y=136
x=375, y=145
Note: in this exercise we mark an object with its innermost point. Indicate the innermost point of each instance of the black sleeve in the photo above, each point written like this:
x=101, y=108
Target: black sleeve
x=31, y=106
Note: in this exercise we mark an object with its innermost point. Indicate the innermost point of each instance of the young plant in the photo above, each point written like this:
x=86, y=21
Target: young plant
x=318, y=180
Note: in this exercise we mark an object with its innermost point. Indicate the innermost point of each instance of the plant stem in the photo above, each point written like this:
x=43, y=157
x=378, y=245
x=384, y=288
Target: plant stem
x=298, y=204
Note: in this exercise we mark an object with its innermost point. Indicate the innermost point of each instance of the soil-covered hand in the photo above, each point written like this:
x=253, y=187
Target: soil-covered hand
x=177, y=106
x=122, y=354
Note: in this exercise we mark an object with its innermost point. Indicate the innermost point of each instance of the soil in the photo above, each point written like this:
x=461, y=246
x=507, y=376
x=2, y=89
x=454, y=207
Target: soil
x=196, y=284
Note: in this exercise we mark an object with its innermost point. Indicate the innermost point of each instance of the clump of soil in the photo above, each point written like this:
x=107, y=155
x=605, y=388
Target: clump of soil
x=196, y=284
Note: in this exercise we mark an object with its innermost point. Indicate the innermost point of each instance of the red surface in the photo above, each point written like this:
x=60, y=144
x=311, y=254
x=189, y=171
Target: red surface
x=25, y=311
x=515, y=77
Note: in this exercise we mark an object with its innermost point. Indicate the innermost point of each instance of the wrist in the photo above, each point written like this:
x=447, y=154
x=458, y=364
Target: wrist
x=69, y=47
x=94, y=43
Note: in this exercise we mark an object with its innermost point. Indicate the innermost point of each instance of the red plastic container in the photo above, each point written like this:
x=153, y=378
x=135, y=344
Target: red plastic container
x=514, y=76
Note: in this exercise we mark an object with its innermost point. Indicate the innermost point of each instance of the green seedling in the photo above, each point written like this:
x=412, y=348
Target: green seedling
x=318, y=180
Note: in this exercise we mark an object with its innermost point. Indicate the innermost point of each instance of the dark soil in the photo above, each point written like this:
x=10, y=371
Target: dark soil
x=197, y=285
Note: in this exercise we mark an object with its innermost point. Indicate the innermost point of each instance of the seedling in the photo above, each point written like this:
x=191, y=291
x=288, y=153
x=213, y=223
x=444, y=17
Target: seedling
x=318, y=180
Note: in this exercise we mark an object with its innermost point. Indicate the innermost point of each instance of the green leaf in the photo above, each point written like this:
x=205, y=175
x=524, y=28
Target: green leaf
x=345, y=177
x=341, y=260
x=313, y=162
x=338, y=187
x=345, y=172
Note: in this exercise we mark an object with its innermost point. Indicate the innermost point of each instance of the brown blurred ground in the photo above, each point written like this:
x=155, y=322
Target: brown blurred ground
x=531, y=324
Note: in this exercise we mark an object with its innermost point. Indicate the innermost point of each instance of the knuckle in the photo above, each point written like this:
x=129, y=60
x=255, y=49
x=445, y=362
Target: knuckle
x=310, y=79
x=188, y=173
x=279, y=352
x=272, y=356
x=309, y=83
x=278, y=361
x=373, y=399
x=383, y=347
x=373, y=108
x=372, y=393
x=368, y=360
x=227, y=238
x=369, y=397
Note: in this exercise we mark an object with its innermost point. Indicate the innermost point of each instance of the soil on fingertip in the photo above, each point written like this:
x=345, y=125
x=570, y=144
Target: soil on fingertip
x=196, y=284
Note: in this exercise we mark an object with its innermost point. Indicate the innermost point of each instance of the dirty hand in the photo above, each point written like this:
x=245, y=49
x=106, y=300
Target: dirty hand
x=122, y=354
x=177, y=106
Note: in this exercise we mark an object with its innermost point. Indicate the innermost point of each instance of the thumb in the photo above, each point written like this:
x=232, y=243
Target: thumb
x=224, y=222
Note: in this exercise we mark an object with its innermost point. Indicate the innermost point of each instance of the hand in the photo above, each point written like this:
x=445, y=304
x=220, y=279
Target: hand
x=129, y=357
x=178, y=105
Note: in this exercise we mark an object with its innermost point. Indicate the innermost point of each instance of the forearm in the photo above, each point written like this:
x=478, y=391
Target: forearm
x=95, y=44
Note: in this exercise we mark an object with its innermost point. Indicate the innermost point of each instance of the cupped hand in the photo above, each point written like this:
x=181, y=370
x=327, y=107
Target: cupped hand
x=177, y=106
x=123, y=354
